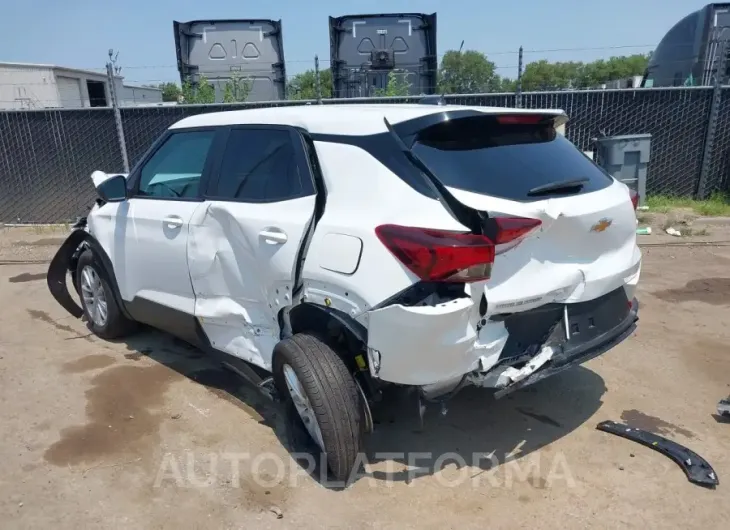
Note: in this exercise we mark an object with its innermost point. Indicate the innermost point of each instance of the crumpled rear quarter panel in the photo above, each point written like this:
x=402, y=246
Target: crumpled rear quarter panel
x=429, y=344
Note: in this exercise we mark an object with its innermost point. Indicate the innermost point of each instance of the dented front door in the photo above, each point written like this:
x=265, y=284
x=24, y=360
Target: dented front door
x=244, y=245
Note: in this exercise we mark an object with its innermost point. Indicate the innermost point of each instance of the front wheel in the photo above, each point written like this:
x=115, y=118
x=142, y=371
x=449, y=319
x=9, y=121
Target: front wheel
x=100, y=307
x=325, y=397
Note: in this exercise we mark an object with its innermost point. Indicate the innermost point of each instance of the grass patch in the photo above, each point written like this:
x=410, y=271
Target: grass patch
x=715, y=206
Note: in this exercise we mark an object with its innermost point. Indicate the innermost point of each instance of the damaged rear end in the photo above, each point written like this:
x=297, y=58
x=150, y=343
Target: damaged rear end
x=541, y=278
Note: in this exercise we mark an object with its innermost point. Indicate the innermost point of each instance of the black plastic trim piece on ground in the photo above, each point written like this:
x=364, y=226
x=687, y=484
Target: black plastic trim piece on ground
x=697, y=469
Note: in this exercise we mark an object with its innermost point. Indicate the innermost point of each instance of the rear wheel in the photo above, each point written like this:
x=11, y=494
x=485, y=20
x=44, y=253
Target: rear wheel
x=324, y=396
x=100, y=307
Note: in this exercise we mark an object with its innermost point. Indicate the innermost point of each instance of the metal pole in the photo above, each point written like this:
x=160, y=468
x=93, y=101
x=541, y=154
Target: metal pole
x=317, y=80
x=713, y=119
x=518, y=95
x=117, y=115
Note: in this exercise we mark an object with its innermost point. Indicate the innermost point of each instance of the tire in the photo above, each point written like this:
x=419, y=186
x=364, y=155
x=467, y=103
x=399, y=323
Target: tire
x=332, y=394
x=115, y=325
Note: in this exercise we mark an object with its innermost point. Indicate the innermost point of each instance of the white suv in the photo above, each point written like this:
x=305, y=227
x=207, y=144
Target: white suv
x=344, y=248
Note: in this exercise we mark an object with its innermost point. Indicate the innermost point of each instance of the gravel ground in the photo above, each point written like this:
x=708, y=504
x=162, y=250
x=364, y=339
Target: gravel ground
x=145, y=433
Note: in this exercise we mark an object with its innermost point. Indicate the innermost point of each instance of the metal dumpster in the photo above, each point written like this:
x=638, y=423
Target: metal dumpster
x=626, y=158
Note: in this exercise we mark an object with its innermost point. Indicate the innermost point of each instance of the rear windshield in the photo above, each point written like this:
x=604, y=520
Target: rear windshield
x=507, y=161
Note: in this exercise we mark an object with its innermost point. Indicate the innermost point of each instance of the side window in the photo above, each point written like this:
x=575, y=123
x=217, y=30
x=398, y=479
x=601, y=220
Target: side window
x=262, y=165
x=176, y=167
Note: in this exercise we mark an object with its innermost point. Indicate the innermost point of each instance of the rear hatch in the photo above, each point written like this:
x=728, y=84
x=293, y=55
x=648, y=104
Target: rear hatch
x=517, y=166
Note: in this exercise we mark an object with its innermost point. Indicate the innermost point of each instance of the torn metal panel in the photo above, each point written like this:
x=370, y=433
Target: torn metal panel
x=429, y=344
x=697, y=469
x=334, y=296
x=231, y=328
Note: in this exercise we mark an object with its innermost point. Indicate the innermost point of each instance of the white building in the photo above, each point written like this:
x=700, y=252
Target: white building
x=629, y=82
x=38, y=86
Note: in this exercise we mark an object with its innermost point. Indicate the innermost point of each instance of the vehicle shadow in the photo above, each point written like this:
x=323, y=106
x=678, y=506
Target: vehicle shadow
x=194, y=364
x=478, y=431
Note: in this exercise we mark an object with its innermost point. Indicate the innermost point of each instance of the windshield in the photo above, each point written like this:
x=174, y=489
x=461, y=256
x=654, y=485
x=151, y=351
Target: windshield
x=483, y=156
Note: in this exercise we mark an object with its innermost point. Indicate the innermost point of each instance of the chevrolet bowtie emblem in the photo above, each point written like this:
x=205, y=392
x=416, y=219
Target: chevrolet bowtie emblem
x=601, y=225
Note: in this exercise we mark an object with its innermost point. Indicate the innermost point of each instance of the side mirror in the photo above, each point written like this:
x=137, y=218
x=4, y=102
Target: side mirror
x=113, y=189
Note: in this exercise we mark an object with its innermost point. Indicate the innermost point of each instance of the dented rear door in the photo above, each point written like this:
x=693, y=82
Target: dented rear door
x=245, y=244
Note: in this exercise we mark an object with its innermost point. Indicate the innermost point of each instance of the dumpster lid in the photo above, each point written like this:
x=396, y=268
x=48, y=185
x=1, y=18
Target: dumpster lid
x=630, y=137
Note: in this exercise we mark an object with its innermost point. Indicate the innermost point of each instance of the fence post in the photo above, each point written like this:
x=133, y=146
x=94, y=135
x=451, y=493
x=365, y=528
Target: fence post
x=711, y=130
x=518, y=95
x=117, y=115
x=317, y=81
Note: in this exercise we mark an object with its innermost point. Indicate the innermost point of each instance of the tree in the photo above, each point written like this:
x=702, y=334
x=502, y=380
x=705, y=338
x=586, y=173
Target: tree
x=170, y=91
x=468, y=72
x=505, y=84
x=236, y=89
x=543, y=75
x=202, y=92
x=600, y=71
x=304, y=85
x=398, y=85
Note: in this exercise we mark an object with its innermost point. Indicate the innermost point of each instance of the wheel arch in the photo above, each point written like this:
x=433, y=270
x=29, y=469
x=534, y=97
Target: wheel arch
x=341, y=332
x=66, y=259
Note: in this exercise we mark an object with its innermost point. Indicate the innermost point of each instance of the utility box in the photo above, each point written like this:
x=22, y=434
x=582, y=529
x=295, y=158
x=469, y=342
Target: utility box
x=626, y=158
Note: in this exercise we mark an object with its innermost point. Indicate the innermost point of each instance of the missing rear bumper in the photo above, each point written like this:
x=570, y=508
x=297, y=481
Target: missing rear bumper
x=568, y=356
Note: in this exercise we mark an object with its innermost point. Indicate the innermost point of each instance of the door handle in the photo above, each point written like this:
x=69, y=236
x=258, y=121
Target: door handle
x=273, y=235
x=173, y=221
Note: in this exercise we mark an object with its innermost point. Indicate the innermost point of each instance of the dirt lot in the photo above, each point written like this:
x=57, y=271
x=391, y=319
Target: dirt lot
x=145, y=433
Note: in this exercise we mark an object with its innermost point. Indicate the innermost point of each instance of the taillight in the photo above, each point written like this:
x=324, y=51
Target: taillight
x=634, y=198
x=520, y=119
x=511, y=228
x=508, y=232
x=439, y=255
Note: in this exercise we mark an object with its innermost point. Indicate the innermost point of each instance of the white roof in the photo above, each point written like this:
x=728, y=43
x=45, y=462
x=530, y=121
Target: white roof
x=347, y=119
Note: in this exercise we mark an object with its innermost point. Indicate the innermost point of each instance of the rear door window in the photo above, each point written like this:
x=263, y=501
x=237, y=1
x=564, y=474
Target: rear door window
x=483, y=156
x=262, y=165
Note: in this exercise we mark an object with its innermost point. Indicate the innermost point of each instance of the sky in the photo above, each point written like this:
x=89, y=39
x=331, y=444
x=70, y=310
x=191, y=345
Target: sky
x=79, y=33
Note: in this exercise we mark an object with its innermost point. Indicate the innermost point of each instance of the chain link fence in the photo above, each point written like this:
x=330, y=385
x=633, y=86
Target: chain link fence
x=46, y=157
x=718, y=177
